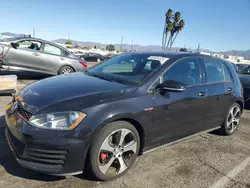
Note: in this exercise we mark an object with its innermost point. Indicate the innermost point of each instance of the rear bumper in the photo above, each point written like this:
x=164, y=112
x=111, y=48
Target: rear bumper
x=57, y=156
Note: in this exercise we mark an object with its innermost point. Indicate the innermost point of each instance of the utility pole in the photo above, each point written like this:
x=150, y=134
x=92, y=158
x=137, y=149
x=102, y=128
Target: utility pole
x=34, y=33
x=69, y=36
x=199, y=47
x=121, y=43
x=131, y=45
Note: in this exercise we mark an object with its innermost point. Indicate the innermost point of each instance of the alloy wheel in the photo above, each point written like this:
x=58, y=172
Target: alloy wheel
x=66, y=71
x=233, y=119
x=117, y=152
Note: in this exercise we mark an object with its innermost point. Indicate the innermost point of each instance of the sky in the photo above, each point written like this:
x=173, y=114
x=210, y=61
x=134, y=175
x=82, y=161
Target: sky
x=218, y=25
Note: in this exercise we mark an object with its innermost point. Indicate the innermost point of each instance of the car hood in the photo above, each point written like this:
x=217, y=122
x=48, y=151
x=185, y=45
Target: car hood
x=245, y=79
x=68, y=91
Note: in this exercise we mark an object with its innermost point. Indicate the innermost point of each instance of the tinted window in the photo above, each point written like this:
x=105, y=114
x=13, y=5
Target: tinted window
x=52, y=49
x=64, y=53
x=187, y=71
x=214, y=71
x=227, y=73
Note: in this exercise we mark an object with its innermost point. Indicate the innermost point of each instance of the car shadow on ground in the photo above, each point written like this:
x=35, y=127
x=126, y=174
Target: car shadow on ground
x=247, y=107
x=25, y=75
x=8, y=162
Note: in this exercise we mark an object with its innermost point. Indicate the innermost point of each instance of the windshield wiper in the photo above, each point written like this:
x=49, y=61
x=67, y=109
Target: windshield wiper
x=102, y=77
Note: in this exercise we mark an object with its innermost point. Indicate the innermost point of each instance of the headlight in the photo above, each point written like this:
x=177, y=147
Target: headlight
x=57, y=121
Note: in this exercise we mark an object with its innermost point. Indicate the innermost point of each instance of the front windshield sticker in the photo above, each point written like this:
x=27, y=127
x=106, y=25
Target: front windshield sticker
x=158, y=58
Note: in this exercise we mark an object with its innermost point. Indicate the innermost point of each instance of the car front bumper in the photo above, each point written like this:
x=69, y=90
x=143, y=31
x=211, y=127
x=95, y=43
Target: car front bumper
x=45, y=151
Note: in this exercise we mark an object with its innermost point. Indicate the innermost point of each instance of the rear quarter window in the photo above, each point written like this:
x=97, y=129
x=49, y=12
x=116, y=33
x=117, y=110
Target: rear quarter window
x=214, y=71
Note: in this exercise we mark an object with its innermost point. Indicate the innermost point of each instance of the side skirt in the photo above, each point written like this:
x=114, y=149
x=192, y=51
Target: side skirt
x=180, y=140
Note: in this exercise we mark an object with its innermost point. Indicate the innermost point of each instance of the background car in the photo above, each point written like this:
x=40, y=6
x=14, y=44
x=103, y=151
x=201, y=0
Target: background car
x=244, y=76
x=110, y=55
x=78, y=53
x=241, y=66
x=93, y=57
x=37, y=55
x=130, y=104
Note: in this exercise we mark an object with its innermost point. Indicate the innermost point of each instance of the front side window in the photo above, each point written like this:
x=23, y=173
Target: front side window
x=129, y=68
x=186, y=71
x=52, y=49
x=29, y=45
x=214, y=71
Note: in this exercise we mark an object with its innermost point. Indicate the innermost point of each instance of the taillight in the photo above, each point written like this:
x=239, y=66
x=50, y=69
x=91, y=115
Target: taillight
x=1, y=58
x=84, y=64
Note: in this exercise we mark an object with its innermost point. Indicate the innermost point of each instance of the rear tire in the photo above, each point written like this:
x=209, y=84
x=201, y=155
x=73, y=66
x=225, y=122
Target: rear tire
x=232, y=120
x=114, y=150
x=66, y=70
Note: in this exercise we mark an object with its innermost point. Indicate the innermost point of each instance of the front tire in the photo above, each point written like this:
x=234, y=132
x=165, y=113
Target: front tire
x=114, y=150
x=232, y=120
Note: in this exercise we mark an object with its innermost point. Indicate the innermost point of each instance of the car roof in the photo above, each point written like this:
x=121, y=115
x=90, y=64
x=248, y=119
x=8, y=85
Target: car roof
x=170, y=54
x=43, y=41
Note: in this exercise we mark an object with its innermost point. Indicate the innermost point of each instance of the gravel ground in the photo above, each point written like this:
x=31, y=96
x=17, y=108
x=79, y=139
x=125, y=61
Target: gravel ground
x=208, y=160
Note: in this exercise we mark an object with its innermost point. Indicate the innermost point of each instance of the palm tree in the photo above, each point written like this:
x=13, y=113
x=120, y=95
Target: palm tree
x=169, y=28
x=173, y=25
x=168, y=16
x=176, y=19
x=179, y=28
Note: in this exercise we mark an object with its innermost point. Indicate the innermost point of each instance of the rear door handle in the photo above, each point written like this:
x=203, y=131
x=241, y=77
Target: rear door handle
x=35, y=54
x=201, y=94
x=62, y=58
x=230, y=90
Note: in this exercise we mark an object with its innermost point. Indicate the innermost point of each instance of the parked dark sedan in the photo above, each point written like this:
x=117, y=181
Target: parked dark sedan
x=133, y=103
x=244, y=76
x=37, y=55
x=93, y=57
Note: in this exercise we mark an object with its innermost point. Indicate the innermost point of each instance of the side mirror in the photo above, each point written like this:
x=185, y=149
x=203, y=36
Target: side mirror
x=13, y=45
x=172, y=85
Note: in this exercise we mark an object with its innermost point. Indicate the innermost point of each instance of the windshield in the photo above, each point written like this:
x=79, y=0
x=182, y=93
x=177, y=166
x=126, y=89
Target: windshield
x=246, y=70
x=132, y=69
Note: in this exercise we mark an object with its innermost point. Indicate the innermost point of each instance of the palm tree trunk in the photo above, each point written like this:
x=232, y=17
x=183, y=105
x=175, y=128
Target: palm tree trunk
x=163, y=35
x=172, y=42
x=165, y=41
x=170, y=38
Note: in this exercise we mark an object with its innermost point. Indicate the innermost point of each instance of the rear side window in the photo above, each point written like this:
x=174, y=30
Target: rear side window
x=227, y=74
x=52, y=50
x=216, y=71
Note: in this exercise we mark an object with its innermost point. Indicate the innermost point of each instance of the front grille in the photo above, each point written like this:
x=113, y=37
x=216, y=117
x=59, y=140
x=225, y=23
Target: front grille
x=23, y=113
x=17, y=144
x=45, y=156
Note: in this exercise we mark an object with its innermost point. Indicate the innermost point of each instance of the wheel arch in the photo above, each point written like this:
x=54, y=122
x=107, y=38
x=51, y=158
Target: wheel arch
x=241, y=104
x=66, y=66
x=139, y=129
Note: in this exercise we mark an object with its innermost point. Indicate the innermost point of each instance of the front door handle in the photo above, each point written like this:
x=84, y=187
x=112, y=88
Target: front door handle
x=201, y=94
x=35, y=54
x=62, y=58
x=230, y=90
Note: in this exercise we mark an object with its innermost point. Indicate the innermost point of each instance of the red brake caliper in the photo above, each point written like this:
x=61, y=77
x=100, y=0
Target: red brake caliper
x=103, y=156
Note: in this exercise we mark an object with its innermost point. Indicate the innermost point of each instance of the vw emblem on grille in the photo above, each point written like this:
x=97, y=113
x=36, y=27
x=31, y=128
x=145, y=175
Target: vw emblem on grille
x=14, y=107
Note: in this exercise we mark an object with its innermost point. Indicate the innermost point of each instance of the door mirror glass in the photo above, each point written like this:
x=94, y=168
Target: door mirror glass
x=172, y=85
x=14, y=45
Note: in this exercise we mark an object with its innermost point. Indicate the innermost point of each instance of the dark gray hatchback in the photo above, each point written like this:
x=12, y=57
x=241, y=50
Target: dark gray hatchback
x=102, y=119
